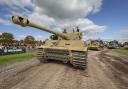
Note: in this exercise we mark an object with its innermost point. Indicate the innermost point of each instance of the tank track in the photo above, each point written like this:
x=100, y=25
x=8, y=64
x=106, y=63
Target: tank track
x=79, y=60
x=39, y=55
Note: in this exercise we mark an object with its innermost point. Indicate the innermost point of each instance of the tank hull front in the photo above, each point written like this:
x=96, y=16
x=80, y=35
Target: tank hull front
x=63, y=54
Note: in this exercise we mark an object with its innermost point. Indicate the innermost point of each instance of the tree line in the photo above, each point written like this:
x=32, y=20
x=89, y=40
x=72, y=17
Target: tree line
x=8, y=38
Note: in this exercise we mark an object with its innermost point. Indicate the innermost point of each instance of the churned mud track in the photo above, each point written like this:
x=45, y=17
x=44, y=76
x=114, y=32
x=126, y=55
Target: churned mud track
x=116, y=68
x=56, y=75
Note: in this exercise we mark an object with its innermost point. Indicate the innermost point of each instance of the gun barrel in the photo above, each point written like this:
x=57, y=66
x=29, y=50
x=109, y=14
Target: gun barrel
x=47, y=30
x=25, y=22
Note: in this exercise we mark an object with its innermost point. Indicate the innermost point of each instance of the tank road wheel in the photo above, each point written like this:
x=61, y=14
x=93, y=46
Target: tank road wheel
x=40, y=55
x=79, y=60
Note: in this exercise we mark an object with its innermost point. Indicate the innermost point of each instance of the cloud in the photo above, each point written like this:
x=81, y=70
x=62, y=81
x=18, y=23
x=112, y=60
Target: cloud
x=41, y=19
x=58, y=14
x=54, y=9
x=20, y=37
x=50, y=11
x=85, y=25
x=65, y=9
x=4, y=22
x=0, y=33
x=123, y=34
x=40, y=37
x=21, y=3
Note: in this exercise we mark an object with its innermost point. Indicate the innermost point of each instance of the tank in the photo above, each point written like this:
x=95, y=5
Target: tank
x=66, y=46
x=96, y=45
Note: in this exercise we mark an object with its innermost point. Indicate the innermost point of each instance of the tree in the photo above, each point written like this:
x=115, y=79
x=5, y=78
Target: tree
x=6, y=38
x=0, y=38
x=29, y=40
x=21, y=42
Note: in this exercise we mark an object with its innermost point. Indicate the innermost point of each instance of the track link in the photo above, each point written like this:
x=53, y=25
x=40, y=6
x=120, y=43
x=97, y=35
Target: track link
x=39, y=55
x=79, y=60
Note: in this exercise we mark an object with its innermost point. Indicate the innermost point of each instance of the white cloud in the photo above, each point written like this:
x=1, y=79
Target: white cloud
x=5, y=22
x=62, y=9
x=21, y=3
x=122, y=34
x=41, y=19
x=51, y=11
x=20, y=37
x=40, y=37
x=61, y=13
x=85, y=25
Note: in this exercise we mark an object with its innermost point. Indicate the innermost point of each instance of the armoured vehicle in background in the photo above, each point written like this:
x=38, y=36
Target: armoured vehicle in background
x=112, y=44
x=66, y=47
x=96, y=45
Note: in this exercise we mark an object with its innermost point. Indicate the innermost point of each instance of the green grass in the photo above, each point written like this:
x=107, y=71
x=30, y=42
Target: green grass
x=16, y=57
x=122, y=51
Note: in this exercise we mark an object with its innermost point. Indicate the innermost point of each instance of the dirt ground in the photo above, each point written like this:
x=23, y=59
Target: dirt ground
x=106, y=70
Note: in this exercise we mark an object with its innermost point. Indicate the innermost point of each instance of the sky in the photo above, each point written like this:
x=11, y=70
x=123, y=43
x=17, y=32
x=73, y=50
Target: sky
x=104, y=19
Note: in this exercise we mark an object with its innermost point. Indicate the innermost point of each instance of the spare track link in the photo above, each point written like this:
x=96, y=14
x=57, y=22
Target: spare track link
x=79, y=60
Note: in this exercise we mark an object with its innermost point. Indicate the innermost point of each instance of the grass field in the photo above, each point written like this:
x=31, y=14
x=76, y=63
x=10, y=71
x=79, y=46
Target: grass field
x=16, y=57
x=122, y=51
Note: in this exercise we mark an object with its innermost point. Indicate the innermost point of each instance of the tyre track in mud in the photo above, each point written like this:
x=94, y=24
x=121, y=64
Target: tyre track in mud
x=116, y=68
x=99, y=78
x=56, y=75
x=8, y=75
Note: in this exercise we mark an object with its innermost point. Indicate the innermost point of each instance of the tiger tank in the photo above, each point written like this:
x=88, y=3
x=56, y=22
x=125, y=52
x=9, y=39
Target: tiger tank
x=96, y=45
x=67, y=47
